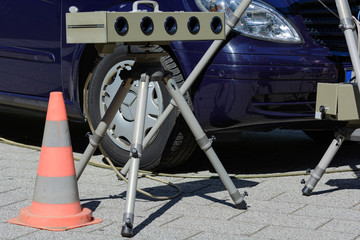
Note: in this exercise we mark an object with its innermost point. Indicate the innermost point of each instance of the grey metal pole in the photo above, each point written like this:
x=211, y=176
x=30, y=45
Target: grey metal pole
x=204, y=142
x=319, y=171
x=195, y=73
x=135, y=153
x=100, y=131
x=348, y=26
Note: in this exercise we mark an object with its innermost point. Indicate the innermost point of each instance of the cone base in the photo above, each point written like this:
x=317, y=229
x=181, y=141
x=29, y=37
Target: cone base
x=54, y=223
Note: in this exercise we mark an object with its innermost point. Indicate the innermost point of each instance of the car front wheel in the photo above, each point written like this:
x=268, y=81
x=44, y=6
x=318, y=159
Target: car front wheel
x=172, y=143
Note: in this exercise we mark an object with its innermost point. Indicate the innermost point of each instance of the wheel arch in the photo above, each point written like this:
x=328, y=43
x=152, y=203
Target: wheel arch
x=88, y=61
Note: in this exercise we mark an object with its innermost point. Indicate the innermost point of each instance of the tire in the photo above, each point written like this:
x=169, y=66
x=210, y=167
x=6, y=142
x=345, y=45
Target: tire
x=172, y=144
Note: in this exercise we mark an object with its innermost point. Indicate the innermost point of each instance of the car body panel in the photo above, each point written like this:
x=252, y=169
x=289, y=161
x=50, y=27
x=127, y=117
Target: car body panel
x=27, y=55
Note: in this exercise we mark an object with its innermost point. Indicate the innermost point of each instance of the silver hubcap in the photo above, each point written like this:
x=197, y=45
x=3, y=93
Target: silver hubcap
x=121, y=128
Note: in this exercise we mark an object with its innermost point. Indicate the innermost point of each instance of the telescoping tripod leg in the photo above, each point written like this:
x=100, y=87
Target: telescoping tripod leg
x=348, y=27
x=136, y=149
x=204, y=142
x=319, y=171
x=100, y=131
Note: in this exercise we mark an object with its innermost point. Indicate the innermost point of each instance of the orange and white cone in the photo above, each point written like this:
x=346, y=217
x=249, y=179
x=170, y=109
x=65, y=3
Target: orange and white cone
x=56, y=204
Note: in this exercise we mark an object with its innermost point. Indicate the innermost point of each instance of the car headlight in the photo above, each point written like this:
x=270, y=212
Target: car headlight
x=259, y=20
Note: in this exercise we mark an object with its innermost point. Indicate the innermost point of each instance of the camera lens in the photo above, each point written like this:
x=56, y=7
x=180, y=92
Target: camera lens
x=121, y=26
x=193, y=25
x=216, y=25
x=147, y=25
x=170, y=25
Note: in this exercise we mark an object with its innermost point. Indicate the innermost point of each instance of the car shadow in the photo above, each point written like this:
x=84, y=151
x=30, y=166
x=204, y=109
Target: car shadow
x=276, y=151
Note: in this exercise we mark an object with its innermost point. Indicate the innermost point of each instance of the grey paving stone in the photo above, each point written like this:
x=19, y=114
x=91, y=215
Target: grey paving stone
x=329, y=212
x=280, y=219
x=215, y=225
x=280, y=232
x=164, y=233
x=343, y=226
x=42, y=234
x=214, y=212
x=273, y=206
x=357, y=206
x=147, y=232
x=229, y=236
x=7, y=188
x=317, y=199
x=12, y=231
x=267, y=190
x=6, y=199
x=18, y=205
x=6, y=214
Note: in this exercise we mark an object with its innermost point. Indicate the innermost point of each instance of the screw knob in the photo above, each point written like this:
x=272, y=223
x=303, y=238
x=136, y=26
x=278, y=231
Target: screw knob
x=73, y=9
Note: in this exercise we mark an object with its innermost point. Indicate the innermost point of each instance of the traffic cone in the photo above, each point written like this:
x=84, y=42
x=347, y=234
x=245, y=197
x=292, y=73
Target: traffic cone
x=56, y=204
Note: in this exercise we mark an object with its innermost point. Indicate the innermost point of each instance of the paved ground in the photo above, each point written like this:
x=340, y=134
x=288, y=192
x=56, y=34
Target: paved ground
x=277, y=209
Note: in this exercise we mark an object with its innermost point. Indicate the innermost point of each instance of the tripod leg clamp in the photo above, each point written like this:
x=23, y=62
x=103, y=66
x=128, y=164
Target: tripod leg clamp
x=136, y=150
x=98, y=134
x=204, y=143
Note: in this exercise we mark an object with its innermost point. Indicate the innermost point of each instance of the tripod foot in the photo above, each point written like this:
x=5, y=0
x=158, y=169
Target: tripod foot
x=239, y=200
x=127, y=227
x=242, y=205
x=306, y=191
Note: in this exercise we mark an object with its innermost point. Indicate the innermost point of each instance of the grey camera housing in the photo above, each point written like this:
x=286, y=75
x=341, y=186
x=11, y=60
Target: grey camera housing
x=140, y=26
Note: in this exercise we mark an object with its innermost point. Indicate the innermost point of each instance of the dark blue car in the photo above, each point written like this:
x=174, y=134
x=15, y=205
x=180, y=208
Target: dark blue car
x=264, y=77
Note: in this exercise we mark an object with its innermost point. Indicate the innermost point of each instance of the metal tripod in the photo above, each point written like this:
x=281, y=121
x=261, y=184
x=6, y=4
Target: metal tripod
x=148, y=68
x=153, y=71
x=348, y=26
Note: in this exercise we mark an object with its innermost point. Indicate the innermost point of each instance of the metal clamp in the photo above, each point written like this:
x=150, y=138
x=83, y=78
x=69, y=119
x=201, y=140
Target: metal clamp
x=347, y=23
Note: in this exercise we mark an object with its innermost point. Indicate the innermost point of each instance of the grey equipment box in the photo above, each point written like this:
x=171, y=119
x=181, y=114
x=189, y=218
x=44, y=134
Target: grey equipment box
x=141, y=26
x=337, y=101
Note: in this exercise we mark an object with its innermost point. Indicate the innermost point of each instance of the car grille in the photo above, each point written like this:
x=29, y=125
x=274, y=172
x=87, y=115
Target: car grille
x=323, y=25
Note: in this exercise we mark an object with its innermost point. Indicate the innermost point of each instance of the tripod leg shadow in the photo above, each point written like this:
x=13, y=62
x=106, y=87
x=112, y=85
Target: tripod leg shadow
x=156, y=214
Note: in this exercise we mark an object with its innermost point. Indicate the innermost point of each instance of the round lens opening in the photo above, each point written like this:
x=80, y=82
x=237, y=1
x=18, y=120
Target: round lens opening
x=170, y=25
x=216, y=25
x=147, y=25
x=193, y=25
x=121, y=26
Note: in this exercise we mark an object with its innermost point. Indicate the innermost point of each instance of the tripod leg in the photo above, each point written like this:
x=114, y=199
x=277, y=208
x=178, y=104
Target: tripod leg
x=204, y=142
x=135, y=156
x=100, y=131
x=323, y=164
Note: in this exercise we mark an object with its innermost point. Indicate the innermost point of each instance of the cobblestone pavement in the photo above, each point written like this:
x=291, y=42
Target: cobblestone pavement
x=204, y=210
